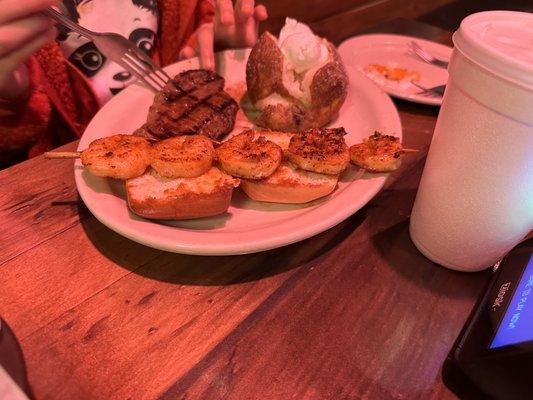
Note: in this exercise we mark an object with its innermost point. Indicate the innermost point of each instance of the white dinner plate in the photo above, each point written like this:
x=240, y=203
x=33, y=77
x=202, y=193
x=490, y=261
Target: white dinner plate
x=392, y=51
x=248, y=226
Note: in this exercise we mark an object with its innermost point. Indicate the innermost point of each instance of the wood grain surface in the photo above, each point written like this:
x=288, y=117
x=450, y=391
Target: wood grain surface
x=355, y=312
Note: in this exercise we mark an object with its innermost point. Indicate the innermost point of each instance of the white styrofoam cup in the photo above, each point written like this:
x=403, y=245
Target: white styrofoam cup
x=475, y=199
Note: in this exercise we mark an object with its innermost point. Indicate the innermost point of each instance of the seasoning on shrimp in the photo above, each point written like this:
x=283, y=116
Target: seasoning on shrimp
x=320, y=150
x=183, y=156
x=118, y=156
x=377, y=153
x=243, y=157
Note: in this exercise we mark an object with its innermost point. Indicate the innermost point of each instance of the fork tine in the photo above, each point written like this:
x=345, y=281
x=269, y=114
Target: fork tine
x=139, y=75
x=161, y=74
x=145, y=70
x=120, y=50
x=417, y=50
x=421, y=53
x=426, y=56
x=413, y=53
x=417, y=47
x=141, y=65
x=161, y=71
x=155, y=67
x=165, y=74
x=144, y=67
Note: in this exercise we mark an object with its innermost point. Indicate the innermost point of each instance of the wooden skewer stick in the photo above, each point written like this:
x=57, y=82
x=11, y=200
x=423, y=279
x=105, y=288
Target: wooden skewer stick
x=410, y=150
x=62, y=154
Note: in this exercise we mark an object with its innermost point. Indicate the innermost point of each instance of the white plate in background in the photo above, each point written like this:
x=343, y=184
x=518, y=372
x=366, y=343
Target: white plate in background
x=392, y=51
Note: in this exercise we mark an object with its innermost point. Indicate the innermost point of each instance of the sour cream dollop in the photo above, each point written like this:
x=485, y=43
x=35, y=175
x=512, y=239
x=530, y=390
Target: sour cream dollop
x=300, y=46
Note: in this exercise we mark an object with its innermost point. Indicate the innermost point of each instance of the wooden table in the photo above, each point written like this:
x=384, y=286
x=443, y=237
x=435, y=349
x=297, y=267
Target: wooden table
x=355, y=312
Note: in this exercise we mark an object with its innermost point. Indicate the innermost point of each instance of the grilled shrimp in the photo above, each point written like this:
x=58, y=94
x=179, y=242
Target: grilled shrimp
x=377, y=153
x=118, y=156
x=183, y=156
x=244, y=157
x=320, y=150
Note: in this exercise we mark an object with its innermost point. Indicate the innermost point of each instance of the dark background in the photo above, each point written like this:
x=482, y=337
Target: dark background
x=445, y=14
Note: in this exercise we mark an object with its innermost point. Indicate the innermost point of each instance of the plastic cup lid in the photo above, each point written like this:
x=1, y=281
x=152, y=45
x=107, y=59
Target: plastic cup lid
x=500, y=41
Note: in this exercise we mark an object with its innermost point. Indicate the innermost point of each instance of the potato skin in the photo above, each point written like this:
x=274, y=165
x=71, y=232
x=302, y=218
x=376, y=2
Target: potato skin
x=264, y=68
x=281, y=118
x=328, y=88
x=330, y=83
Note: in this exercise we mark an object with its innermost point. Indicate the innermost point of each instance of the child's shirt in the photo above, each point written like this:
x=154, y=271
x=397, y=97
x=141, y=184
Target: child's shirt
x=136, y=20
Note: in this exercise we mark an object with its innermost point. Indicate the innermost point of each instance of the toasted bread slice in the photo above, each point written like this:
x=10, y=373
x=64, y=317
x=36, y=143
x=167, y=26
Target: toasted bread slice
x=290, y=185
x=155, y=197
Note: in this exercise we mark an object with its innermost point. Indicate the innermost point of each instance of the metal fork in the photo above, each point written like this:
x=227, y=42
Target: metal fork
x=120, y=50
x=425, y=56
x=436, y=91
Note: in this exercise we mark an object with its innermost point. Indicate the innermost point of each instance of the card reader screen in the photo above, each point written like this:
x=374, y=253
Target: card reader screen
x=517, y=323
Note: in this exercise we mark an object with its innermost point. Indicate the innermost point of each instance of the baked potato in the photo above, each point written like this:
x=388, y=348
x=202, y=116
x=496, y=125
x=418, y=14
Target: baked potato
x=290, y=94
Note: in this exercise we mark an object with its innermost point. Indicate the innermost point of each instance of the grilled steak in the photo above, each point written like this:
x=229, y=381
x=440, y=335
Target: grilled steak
x=194, y=102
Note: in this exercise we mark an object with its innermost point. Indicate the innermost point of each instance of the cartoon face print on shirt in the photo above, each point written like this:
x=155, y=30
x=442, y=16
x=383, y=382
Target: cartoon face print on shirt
x=133, y=19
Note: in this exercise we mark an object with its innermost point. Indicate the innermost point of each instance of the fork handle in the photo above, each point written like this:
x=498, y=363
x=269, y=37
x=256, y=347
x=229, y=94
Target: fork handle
x=63, y=20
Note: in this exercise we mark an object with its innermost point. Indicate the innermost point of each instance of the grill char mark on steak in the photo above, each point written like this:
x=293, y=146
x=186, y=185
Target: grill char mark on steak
x=192, y=102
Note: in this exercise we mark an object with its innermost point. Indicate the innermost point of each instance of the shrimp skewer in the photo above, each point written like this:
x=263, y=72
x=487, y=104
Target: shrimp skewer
x=62, y=154
x=378, y=153
x=244, y=157
x=128, y=156
x=118, y=156
x=249, y=155
x=320, y=150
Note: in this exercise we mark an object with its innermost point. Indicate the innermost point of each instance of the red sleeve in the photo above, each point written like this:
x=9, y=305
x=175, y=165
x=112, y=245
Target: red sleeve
x=24, y=122
x=205, y=13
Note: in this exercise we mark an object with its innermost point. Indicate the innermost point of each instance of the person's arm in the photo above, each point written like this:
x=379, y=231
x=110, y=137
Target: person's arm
x=23, y=31
x=224, y=26
x=24, y=121
x=25, y=109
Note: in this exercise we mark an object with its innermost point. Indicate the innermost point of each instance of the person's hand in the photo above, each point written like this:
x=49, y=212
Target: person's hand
x=22, y=32
x=233, y=27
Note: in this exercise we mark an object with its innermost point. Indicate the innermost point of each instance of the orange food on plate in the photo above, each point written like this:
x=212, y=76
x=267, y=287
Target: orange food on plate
x=394, y=74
